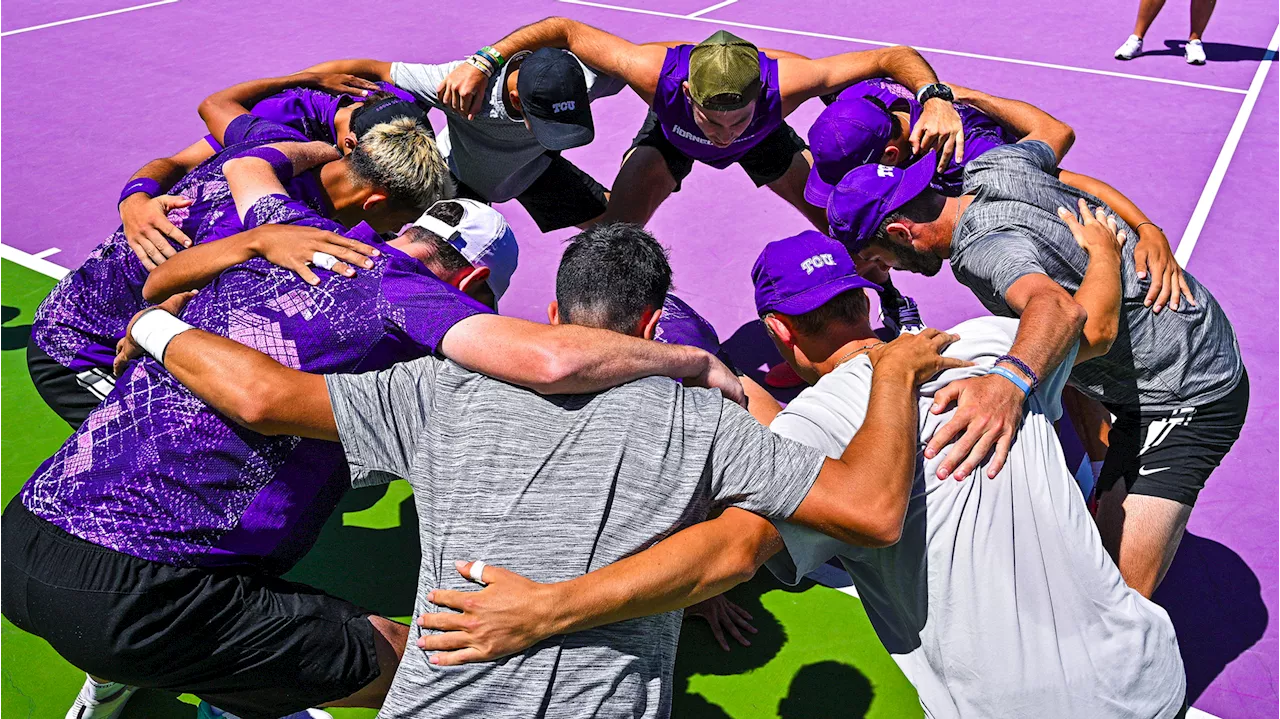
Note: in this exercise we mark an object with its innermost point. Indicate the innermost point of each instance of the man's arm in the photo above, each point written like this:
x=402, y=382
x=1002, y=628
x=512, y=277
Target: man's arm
x=1152, y=257
x=253, y=176
x=637, y=65
x=373, y=70
x=939, y=125
x=1024, y=120
x=223, y=106
x=1100, y=289
x=145, y=218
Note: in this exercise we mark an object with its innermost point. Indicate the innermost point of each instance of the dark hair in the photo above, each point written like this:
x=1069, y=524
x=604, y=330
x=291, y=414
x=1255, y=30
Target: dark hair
x=919, y=209
x=610, y=275
x=448, y=256
x=848, y=307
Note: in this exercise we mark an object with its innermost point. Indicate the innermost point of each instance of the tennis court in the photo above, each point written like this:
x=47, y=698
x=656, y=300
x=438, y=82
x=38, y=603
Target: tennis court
x=92, y=89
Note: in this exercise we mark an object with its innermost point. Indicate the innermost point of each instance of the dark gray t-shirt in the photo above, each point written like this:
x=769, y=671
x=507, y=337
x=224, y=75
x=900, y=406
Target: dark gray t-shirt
x=552, y=487
x=1158, y=362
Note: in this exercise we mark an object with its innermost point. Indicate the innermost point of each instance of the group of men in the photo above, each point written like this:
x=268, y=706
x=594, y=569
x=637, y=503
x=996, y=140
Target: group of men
x=305, y=300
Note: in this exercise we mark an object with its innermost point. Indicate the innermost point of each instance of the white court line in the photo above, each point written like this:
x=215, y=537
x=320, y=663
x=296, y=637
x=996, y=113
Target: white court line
x=1201, y=213
x=706, y=10
x=46, y=253
x=31, y=262
x=68, y=21
x=938, y=51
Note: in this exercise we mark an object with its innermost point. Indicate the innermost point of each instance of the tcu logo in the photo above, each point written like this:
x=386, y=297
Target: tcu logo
x=813, y=263
x=562, y=106
x=884, y=170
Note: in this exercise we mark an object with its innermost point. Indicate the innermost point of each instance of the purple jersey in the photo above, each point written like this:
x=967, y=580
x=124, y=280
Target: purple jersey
x=681, y=325
x=311, y=112
x=675, y=113
x=981, y=133
x=79, y=323
x=157, y=474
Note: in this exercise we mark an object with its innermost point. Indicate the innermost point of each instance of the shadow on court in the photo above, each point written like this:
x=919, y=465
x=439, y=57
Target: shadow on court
x=15, y=337
x=1213, y=51
x=1215, y=602
x=753, y=353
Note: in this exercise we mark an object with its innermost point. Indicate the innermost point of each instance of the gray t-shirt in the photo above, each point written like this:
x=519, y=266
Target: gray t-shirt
x=1158, y=362
x=999, y=600
x=552, y=487
x=494, y=154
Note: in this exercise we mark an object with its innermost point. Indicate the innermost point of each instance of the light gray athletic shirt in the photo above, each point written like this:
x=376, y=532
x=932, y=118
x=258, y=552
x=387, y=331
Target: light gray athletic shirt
x=999, y=600
x=552, y=487
x=494, y=154
x=1158, y=362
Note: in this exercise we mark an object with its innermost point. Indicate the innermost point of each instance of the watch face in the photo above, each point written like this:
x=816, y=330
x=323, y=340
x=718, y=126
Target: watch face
x=944, y=92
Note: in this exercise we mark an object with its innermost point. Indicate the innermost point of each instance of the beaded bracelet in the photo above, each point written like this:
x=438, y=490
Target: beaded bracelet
x=1023, y=368
x=145, y=185
x=1015, y=379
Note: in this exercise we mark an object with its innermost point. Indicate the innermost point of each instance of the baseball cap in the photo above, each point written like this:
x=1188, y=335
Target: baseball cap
x=851, y=132
x=724, y=72
x=801, y=273
x=553, y=97
x=483, y=237
x=385, y=110
x=869, y=193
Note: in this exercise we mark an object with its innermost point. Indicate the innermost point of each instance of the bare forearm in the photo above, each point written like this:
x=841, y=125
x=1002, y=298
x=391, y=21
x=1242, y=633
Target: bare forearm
x=220, y=108
x=1121, y=205
x=375, y=70
x=1024, y=120
x=1099, y=295
x=197, y=266
x=551, y=32
x=165, y=171
x=692, y=565
x=251, y=388
x=906, y=67
x=1047, y=328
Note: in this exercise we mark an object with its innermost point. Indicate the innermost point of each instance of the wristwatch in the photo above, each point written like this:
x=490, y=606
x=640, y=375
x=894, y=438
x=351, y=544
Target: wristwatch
x=935, y=90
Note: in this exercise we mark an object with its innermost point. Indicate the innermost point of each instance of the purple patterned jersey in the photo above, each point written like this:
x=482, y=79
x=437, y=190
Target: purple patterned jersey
x=675, y=113
x=680, y=324
x=311, y=112
x=981, y=133
x=79, y=323
x=157, y=474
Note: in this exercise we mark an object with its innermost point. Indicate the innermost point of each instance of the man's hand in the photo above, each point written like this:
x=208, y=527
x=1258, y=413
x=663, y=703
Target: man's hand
x=510, y=614
x=1154, y=259
x=294, y=248
x=939, y=128
x=723, y=616
x=126, y=349
x=989, y=412
x=919, y=355
x=718, y=376
x=147, y=227
x=1096, y=233
x=337, y=83
x=463, y=90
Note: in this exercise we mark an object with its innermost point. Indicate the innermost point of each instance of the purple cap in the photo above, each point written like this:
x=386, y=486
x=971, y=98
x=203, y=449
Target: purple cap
x=869, y=193
x=851, y=132
x=802, y=273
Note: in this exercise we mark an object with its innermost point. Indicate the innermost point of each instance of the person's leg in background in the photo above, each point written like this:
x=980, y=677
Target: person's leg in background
x=1147, y=12
x=1201, y=11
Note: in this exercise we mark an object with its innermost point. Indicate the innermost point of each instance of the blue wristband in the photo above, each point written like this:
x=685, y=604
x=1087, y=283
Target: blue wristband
x=145, y=185
x=1015, y=379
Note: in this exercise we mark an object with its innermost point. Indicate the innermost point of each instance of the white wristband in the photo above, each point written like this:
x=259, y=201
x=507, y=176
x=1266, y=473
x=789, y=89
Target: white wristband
x=155, y=330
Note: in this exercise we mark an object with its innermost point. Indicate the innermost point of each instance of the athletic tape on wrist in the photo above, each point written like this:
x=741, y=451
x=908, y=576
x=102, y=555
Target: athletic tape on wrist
x=1015, y=379
x=145, y=185
x=155, y=330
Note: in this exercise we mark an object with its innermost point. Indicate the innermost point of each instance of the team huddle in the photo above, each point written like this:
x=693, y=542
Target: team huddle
x=306, y=300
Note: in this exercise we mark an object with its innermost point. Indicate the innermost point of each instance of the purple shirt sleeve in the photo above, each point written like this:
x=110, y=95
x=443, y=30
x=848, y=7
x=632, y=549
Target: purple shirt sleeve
x=310, y=112
x=421, y=308
x=247, y=128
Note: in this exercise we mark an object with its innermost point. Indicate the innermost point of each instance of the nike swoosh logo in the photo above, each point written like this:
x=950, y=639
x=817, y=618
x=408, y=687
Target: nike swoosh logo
x=1143, y=471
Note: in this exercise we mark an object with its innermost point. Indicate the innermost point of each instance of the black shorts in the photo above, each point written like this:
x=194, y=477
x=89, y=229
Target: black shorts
x=72, y=395
x=1171, y=454
x=562, y=196
x=764, y=163
x=254, y=645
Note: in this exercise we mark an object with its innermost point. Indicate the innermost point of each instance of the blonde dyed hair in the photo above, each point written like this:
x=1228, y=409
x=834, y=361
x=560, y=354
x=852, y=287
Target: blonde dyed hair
x=401, y=157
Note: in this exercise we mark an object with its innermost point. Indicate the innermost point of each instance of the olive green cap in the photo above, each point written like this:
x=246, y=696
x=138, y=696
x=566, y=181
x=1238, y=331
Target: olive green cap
x=724, y=72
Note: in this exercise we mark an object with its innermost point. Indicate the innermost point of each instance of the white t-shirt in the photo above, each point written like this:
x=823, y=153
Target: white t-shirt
x=999, y=601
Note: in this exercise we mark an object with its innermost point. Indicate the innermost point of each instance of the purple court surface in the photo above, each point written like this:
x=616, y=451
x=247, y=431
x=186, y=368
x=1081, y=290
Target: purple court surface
x=92, y=89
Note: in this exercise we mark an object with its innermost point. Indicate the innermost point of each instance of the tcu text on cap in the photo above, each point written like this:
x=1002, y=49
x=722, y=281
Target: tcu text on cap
x=884, y=170
x=813, y=263
x=562, y=106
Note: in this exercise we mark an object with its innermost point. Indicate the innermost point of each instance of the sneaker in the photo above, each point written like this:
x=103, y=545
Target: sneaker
x=900, y=314
x=1195, y=52
x=205, y=710
x=1130, y=49
x=100, y=701
x=781, y=376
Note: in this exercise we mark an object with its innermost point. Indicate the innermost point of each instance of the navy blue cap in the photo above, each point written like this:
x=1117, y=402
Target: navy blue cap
x=553, y=97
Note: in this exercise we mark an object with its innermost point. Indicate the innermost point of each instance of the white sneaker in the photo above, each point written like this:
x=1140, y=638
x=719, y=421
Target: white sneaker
x=1130, y=49
x=205, y=710
x=1195, y=52
x=100, y=701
